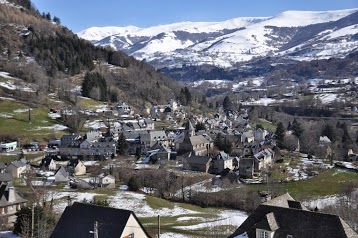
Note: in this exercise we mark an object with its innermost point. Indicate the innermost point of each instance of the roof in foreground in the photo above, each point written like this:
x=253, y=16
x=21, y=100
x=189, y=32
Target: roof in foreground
x=78, y=220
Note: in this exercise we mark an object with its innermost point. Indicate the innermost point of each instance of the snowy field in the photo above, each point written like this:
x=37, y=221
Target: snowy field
x=12, y=83
x=201, y=218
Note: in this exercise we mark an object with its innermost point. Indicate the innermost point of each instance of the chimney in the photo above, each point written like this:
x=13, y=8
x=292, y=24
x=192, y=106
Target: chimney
x=11, y=192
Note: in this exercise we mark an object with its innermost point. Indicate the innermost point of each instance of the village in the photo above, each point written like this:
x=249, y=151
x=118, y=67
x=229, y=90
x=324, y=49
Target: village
x=226, y=148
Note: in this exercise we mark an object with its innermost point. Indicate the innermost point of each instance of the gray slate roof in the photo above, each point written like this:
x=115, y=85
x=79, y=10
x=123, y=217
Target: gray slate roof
x=5, y=177
x=295, y=222
x=198, y=159
x=198, y=140
x=77, y=220
x=4, y=196
x=286, y=216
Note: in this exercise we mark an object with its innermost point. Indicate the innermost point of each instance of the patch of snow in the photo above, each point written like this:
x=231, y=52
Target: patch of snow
x=56, y=127
x=172, y=235
x=6, y=115
x=95, y=125
x=22, y=110
x=90, y=163
x=326, y=98
x=263, y=101
x=5, y=74
x=321, y=203
x=229, y=217
x=54, y=115
x=7, y=99
x=189, y=218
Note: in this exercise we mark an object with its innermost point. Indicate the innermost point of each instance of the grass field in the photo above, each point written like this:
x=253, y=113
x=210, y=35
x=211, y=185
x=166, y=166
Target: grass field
x=330, y=182
x=87, y=103
x=14, y=121
x=9, y=158
x=181, y=220
x=267, y=125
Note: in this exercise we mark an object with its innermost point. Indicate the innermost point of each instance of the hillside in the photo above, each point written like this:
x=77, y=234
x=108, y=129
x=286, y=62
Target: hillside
x=39, y=50
x=294, y=35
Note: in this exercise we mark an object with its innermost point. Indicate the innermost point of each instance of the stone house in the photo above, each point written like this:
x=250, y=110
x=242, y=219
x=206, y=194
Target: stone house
x=197, y=163
x=10, y=202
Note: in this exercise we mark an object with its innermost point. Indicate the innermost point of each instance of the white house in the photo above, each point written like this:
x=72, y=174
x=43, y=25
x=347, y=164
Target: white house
x=11, y=146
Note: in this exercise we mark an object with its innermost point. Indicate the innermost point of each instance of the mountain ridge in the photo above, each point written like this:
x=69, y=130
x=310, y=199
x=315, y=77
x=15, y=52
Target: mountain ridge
x=222, y=43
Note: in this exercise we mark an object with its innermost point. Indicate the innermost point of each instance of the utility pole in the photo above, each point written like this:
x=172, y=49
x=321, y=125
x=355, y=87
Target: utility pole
x=95, y=230
x=30, y=115
x=32, y=220
x=158, y=226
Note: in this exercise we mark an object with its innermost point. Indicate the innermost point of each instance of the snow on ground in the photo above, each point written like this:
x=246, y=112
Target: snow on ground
x=54, y=115
x=327, y=98
x=5, y=74
x=137, y=203
x=90, y=163
x=172, y=235
x=6, y=115
x=22, y=110
x=14, y=83
x=95, y=125
x=349, y=30
x=263, y=101
x=122, y=200
x=56, y=127
x=7, y=99
x=228, y=217
x=102, y=108
x=322, y=202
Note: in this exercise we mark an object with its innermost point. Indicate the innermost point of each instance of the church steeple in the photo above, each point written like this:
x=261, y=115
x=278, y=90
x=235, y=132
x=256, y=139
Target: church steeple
x=189, y=129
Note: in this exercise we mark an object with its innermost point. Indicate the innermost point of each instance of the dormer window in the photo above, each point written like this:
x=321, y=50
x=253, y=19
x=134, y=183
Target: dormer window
x=263, y=234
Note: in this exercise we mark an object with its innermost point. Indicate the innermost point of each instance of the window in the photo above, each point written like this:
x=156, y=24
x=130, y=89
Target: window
x=263, y=234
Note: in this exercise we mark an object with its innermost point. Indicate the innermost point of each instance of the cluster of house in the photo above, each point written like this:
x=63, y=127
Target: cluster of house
x=10, y=200
x=254, y=148
x=254, y=151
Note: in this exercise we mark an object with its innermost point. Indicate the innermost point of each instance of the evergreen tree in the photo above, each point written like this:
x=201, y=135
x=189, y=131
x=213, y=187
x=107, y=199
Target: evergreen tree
x=211, y=105
x=223, y=144
x=329, y=131
x=297, y=128
x=187, y=95
x=200, y=126
x=182, y=97
x=122, y=145
x=94, y=80
x=56, y=20
x=346, y=138
x=227, y=104
x=289, y=127
x=48, y=16
x=280, y=134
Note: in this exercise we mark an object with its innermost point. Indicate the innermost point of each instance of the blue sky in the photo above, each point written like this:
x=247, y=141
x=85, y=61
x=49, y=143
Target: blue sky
x=78, y=15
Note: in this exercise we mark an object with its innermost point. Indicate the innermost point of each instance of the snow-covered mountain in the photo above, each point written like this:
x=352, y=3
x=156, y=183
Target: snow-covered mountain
x=300, y=35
